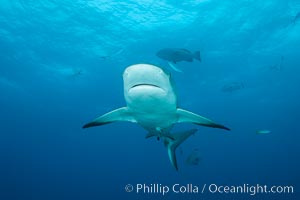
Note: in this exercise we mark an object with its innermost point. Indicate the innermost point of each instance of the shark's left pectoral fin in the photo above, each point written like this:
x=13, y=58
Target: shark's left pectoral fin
x=187, y=116
x=120, y=114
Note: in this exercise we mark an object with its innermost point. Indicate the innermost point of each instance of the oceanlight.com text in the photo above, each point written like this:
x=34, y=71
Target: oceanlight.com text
x=156, y=188
x=250, y=189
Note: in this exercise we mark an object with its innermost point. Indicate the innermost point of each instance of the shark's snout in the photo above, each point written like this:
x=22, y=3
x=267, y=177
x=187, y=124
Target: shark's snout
x=144, y=78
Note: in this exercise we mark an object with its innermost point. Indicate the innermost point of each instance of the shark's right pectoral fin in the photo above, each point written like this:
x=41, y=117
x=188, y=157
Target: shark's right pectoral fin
x=187, y=116
x=120, y=114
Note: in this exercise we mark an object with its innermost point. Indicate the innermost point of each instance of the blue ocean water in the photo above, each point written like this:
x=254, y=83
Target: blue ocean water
x=61, y=65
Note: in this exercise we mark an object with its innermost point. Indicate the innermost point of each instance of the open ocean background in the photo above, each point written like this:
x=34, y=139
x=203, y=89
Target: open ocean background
x=61, y=65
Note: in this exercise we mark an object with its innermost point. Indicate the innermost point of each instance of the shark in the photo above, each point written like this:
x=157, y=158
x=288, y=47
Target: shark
x=151, y=102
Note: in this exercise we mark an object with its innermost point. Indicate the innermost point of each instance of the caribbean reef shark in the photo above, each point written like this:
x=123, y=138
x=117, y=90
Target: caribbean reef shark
x=152, y=103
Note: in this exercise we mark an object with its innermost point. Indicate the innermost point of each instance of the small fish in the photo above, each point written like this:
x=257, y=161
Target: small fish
x=174, y=55
x=296, y=18
x=261, y=132
x=232, y=87
x=278, y=67
x=78, y=72
x=112, y=55
x=193, y=158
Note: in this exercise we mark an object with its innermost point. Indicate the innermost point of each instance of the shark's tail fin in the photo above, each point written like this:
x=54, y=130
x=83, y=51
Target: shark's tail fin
x=197, y=55
x=173, y=144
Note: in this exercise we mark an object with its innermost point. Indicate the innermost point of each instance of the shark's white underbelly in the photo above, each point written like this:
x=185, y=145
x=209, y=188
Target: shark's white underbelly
x=153, y=110
x=154, y=119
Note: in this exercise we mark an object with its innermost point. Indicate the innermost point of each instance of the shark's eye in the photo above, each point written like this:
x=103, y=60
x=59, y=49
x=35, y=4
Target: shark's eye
x=167, y=73
x=164, y=71
x=125, y=73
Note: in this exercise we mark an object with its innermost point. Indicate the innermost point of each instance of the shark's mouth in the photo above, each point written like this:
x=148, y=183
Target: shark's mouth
x=145, y=84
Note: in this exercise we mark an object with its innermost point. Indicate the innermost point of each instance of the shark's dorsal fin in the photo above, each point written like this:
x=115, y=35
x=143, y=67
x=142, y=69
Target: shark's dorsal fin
x=120, y=114
x=187, y=116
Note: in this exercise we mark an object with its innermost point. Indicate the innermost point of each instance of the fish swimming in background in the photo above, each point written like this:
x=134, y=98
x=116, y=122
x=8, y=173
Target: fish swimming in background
x=262, y=132
x=174, y=55
x=296, y=18
x=232, y=87
x=114, y=54
x=278, y=66
x=193, y=158
x=76, y=72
